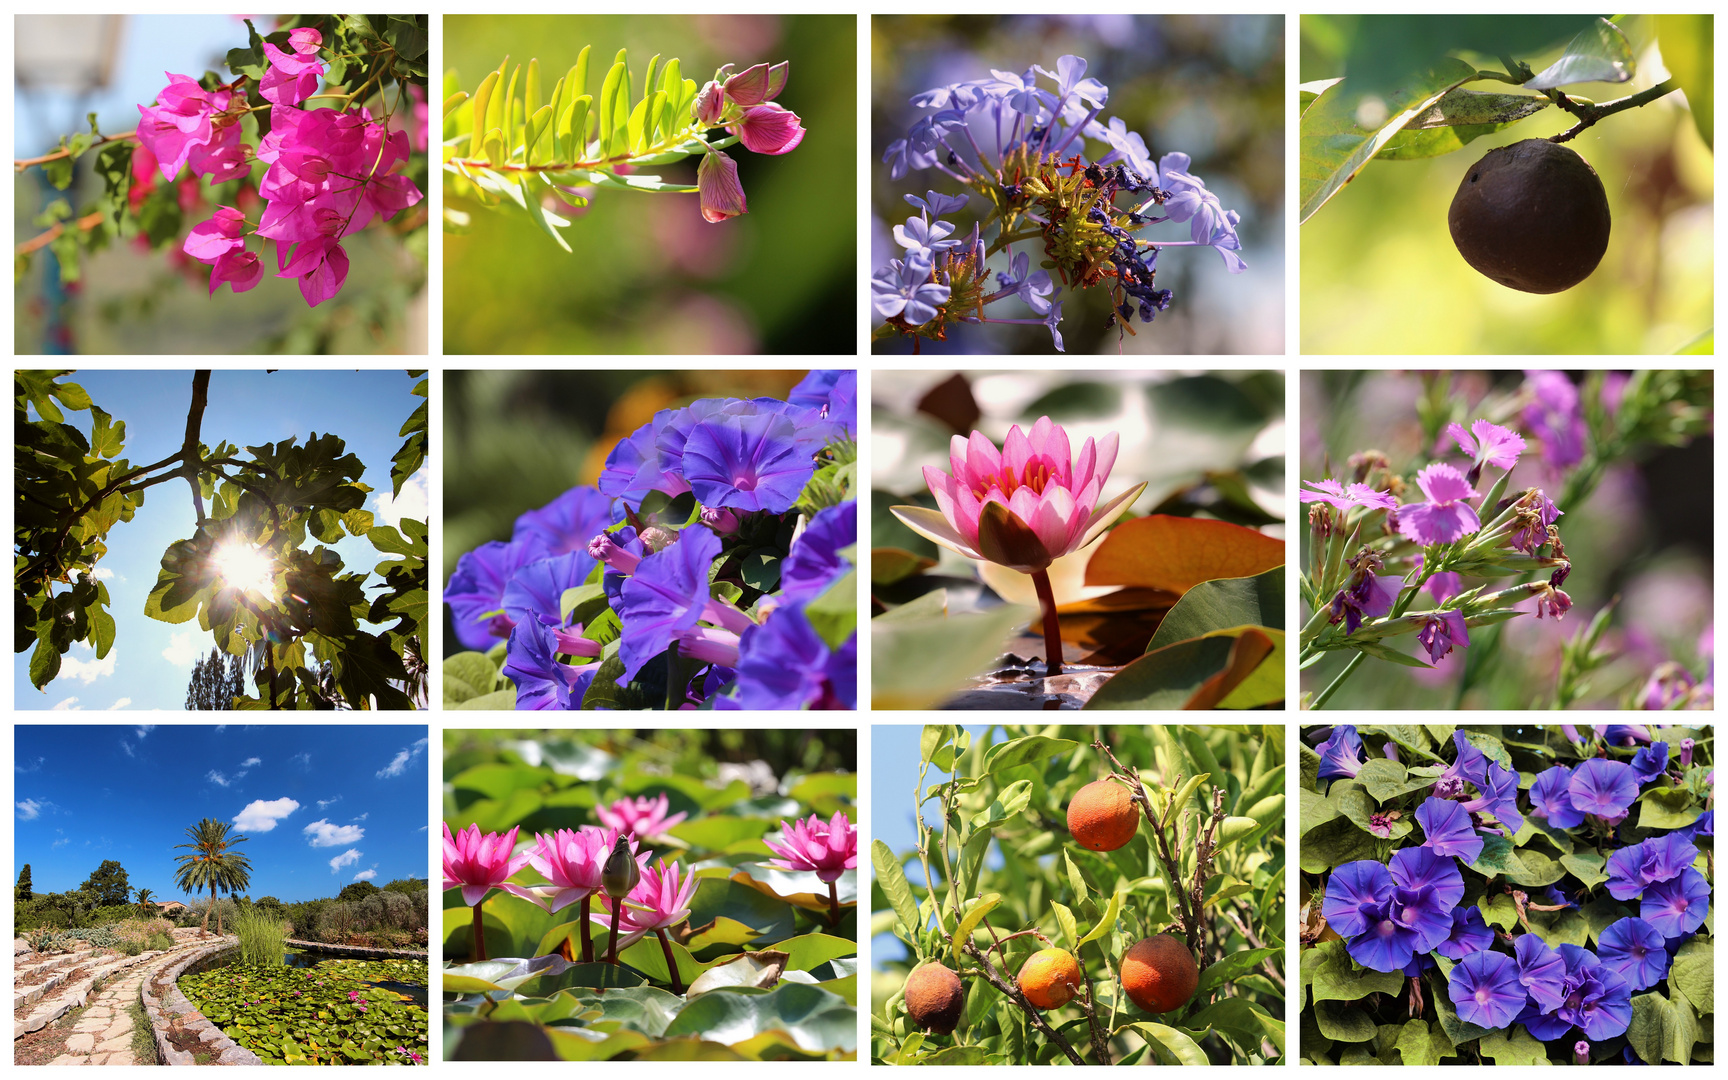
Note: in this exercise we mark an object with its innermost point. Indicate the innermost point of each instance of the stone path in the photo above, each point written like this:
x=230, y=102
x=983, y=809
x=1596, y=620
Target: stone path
x=103, y=1032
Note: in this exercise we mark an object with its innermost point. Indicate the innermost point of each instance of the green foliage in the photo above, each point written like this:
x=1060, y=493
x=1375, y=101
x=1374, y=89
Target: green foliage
x=22, y=890
x=996, y=876
x=107, y=884
x=357, y=890
x=767, y=963
x=261, y=937
x=306, y=649
x=1354, y=1015
x=334, y=1013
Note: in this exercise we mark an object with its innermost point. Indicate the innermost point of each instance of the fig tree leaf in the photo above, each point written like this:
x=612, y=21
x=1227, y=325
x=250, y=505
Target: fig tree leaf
x=1345, y=128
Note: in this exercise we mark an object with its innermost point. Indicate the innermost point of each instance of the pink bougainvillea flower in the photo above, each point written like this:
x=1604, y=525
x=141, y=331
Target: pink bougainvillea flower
x=1024, y=506
x=322, y=267
x=758, y=83
x=479, y=861
x=293, y=76
x=640, y=817
x=718, y=188
x=824, y=848
x=661, y=899
x=768, y=129
x=239, y=269
x=571, y=859
x=180, y=120
x=224, y=232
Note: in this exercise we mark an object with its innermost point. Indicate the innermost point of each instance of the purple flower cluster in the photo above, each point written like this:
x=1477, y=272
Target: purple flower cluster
x=652, y=560
x=1393, y=916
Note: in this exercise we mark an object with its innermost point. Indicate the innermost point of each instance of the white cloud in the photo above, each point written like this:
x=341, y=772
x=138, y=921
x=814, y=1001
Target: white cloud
x=62, y=842
x=261, y=815
x=412, y=503
x=29, y=810
x=399, y=764
x=21, y=766
x=322, y=803
x=69, y=705
x=249, y=762
x=119, y=703
x=88, y=671
x=364, y=816
x=182, y=651
x=303, y=758
x=366, y=875
x=144, y=729
x=217, y=778
x=347, y=858
x=323, y=834
x=102, y=573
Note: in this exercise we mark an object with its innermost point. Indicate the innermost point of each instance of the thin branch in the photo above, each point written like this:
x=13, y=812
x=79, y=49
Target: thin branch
x=84, y=224
x=20, y=164
x=995, y=978
x=1588, y=114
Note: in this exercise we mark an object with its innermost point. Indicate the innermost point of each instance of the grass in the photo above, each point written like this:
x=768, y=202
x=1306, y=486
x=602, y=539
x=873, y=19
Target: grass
x=260, y=936
x=143, y=1039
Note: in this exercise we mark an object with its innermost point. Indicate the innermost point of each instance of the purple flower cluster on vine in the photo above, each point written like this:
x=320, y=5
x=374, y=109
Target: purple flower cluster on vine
x=1397, y=915
x=667, y=554
x=1018, y=148
x=329, y=172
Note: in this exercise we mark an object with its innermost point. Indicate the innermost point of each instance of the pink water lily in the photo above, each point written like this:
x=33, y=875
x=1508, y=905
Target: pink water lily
x=571, y=860
x=1046, y=500
x=641, y=817
x=479, y=862
x=660, y=900
x=825, y=848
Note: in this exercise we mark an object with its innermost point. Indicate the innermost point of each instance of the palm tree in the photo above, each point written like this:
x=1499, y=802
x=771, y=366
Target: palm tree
x=212, y=863
x=144, y=899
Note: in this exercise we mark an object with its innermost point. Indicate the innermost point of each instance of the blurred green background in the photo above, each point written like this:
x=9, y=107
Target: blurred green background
x=1380, y=273
x=516, y=440
x=648, y=274
x=1211, y=86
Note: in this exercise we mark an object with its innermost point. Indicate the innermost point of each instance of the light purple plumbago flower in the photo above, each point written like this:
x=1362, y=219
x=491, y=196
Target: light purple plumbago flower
x=962, y=96
x=1021, y=92
x=1052, y=321
x=1034, y=288
x=1556, y=417
x=904, y=288
x=1445, y=517
x=1126, y=146
x=1488, y=444
x=1441, y=631
x=919, y=235
x=1334, y=493
x=1190, y=201
x=935, y=204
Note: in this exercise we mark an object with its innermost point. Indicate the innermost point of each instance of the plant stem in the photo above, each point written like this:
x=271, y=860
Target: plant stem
x=833, y=904
x=587, y=934
x=612, y=942
x=671, y=963
x=479, y=933
x=1589, y=114
x=20, y=164
x=674, y=692
x=1010, y=990
x=1052, y=625
x=1332, y=688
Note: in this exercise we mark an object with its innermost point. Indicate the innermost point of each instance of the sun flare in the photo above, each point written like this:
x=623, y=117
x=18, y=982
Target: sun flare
x=243, y=566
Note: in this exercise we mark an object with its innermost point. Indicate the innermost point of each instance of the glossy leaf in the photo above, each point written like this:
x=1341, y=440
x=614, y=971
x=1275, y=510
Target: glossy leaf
x=1175, y=554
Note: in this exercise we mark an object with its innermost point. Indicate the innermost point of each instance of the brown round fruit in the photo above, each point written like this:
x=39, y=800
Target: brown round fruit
x=1159, y=973
x=1532, y=216
x=1102, y=817
x=935, y=998
x=1050, y=978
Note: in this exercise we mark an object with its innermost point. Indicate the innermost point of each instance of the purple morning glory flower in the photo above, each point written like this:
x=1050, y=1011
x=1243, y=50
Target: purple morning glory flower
x=1603, y=787
x=1597, y=1000
x=1552, y=896
x=475, y=591
x=1499, y=797
x=1485, y=988
x=1340, y=754
x=1336, y=494
x=566, y=523
x=1371, y=597
x=919, y=235
x=1536, y=512
x=665, y=597
x=814, y=563
x=785, y=664
x=1551, y=798
x=1445, y=517
x=1555, y=416
x=536, y=592
x=1705, y=825
x=1353, y=888
x=1677, y=907
x=634, y=468
x=1470, y=764
x=542, y=682
x=1488, y=443
x=1541, y=971
x=1660, y=858
x=1440, y=632
x=833, y=393
x=746, y=461
x=1469, y=935
x=1623, y=734
x=904, y=288
x=1393, y=912
x=1448, y=830
x=1650, y=762
x=1634, y=950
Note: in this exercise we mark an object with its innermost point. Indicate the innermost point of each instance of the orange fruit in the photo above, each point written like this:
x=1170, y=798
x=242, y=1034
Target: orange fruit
x=1102, y=817
x=1050, y=978
x=935, y=999
x=1159, y=973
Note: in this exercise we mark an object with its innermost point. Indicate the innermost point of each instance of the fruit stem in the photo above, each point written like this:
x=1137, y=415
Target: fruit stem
x=1052, y=625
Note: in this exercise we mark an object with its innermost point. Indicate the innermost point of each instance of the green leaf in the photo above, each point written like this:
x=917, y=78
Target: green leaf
x=1107, y=921
x=1694, y=973
x=1023, y=751
x=1513, y=1047
x=1345, y=128
x=817, y=1021
x=1232, y=967
x=834, y=614
x=1171, y=1045
x=1178, y=675
x=1421, y=1044
x=1387, y=780
x=1458, y=118
x=1688, y=51
x=1070, y=930
x=918, y=663
x=983, y=906
x=1662, y=1030
x=1344, y=1023
x=1498, y=858
x=1336, y=977
x=1667, y=808
x=1598, y=54
x=1221, y=604
x=891, y=879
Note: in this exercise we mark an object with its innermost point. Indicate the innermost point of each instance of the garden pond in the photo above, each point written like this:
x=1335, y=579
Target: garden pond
x=316, y=1009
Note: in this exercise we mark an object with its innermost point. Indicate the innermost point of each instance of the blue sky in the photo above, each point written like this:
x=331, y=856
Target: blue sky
x=320, y=806
x=151, y=661
x=149, y=46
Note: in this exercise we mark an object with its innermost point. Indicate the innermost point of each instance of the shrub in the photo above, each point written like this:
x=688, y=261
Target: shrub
x=161, y=942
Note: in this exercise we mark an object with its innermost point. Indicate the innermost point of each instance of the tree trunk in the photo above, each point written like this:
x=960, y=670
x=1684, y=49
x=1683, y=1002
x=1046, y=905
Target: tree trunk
x=218, y=911
x=204, y=927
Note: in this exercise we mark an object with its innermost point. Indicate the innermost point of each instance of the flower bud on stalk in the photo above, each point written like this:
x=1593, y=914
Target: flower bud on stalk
x=617, y=878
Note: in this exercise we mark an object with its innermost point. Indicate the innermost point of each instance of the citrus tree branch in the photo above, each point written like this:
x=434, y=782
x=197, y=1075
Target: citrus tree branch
x=1001, y=982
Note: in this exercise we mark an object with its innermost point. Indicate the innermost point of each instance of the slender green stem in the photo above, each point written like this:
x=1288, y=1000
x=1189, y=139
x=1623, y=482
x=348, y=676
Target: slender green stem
x=1052, y=625
x=1349, y=670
